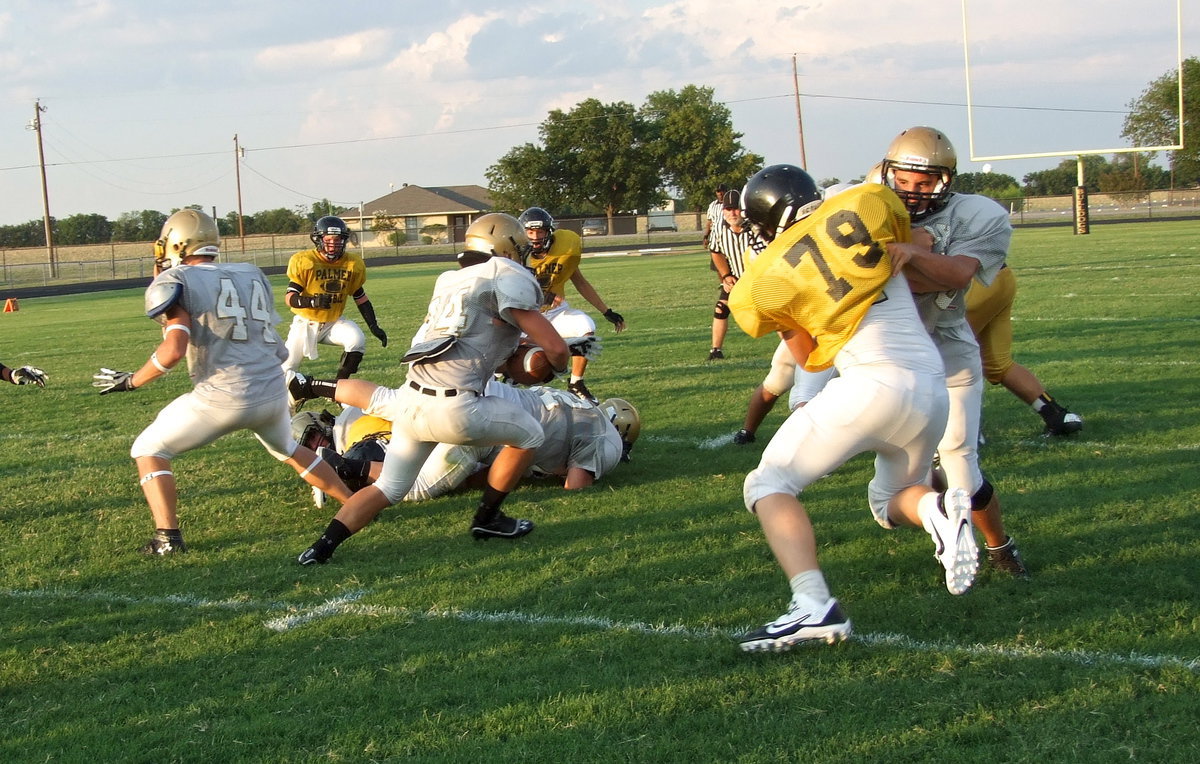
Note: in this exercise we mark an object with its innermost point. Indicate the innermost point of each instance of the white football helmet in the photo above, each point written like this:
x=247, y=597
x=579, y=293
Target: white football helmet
x=313, y=430
x=186, y=233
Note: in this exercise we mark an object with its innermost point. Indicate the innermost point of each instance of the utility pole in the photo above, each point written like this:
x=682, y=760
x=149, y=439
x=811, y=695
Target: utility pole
x=36, y=126
x=799, y=118
x=238, y=153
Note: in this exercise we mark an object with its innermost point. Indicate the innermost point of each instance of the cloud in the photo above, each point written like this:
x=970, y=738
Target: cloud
x=441, y=54
x=345, y=52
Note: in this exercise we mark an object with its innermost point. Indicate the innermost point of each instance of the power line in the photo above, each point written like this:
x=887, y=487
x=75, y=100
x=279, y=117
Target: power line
x=490, y=128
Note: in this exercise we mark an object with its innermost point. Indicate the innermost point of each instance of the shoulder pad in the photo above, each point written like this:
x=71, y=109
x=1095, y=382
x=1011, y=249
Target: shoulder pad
x=161, y=295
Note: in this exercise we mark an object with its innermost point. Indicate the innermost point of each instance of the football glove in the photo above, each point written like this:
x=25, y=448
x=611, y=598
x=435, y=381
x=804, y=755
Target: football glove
x=29, y=375
x=588, y=347
x=318, y=301
x=614, y=318
x=380, y=334
x=112, y=381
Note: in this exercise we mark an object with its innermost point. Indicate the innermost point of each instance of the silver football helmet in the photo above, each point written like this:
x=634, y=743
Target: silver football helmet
x=186, y=233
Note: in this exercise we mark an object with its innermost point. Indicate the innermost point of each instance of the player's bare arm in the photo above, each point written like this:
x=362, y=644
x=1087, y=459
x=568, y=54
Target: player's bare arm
x=541, y=332
x=800, y=343
x=589, y=293
x=930, y=271
x=578, y=478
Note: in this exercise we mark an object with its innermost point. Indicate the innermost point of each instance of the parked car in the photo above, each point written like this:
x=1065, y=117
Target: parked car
x=595, y=227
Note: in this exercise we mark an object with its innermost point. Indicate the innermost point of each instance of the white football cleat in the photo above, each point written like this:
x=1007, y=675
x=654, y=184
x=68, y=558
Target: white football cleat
x=954, y=539
x=805, y=621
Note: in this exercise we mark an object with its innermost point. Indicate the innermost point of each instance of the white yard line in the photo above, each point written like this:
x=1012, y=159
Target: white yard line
x=348, y=605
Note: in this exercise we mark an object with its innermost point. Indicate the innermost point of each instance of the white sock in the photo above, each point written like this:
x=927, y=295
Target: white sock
x=810, y=583
x=575, y=379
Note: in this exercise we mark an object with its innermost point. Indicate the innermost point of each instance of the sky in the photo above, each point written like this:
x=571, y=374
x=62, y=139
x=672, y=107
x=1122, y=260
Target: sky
x=347, y=101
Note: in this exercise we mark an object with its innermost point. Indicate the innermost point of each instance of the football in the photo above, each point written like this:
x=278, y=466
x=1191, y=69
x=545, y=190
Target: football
x=529, y=365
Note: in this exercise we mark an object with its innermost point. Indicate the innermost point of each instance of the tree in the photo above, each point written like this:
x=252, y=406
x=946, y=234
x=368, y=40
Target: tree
x=1065, y=177
x=599, y=152
x=691, y=137
x=31, y=234
x=1133, y=173
x=991, y=184
x=1153, y=120
x=145, y=225
x=84, y=228
x=281, y=220
x=614, y=158
x=524, y=178
x=319, y=210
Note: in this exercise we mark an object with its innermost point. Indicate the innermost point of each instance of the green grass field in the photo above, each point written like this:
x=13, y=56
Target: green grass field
x=608, y=634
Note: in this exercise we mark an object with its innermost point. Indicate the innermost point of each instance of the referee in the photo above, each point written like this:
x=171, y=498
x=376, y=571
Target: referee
x=730, y=244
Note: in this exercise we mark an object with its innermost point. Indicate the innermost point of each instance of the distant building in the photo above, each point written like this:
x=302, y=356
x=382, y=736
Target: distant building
x=432, y=214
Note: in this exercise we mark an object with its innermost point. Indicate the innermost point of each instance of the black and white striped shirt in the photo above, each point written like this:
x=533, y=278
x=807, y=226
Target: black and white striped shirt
x=733, y=246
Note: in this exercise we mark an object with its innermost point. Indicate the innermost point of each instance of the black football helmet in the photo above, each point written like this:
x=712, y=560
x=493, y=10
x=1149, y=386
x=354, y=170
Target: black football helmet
x=777, y=196
x=537, y=219
x=330, y=226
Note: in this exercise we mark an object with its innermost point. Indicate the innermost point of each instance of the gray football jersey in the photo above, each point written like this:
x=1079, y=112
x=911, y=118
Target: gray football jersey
x=474, y=305
x=970, y=225
x=577, y=433
x=234, y=353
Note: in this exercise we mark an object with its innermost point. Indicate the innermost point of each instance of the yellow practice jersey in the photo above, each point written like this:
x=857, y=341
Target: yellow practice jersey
x=555, y=268
x=319, y=276
x=823, y=273
x=367, y=426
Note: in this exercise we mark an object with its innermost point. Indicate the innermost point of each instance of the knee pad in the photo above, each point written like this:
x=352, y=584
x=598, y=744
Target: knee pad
x=721, y=311
x=983, y=496
x=349, y=364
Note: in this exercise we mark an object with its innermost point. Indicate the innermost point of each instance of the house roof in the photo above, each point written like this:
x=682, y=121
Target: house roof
x=428, y=200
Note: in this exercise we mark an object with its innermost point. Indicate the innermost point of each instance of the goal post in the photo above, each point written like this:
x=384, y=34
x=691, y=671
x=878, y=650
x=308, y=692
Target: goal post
x=1080, y=196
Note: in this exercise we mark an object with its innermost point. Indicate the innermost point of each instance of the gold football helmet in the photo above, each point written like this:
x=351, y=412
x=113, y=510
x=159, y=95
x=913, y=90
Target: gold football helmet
x=497, y=234
x=924, y=150
x=625, y=418
x=875, y=174
x=186, y=233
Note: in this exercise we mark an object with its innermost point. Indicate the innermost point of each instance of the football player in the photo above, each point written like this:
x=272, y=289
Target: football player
x=320, y=281
x=554, y=257
x=221, y=317
x=25, y=375
x=583, y=443
x=961, y=237
x=989, y=312
x=828, y=284
x=784, y=376
x=474, y=321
